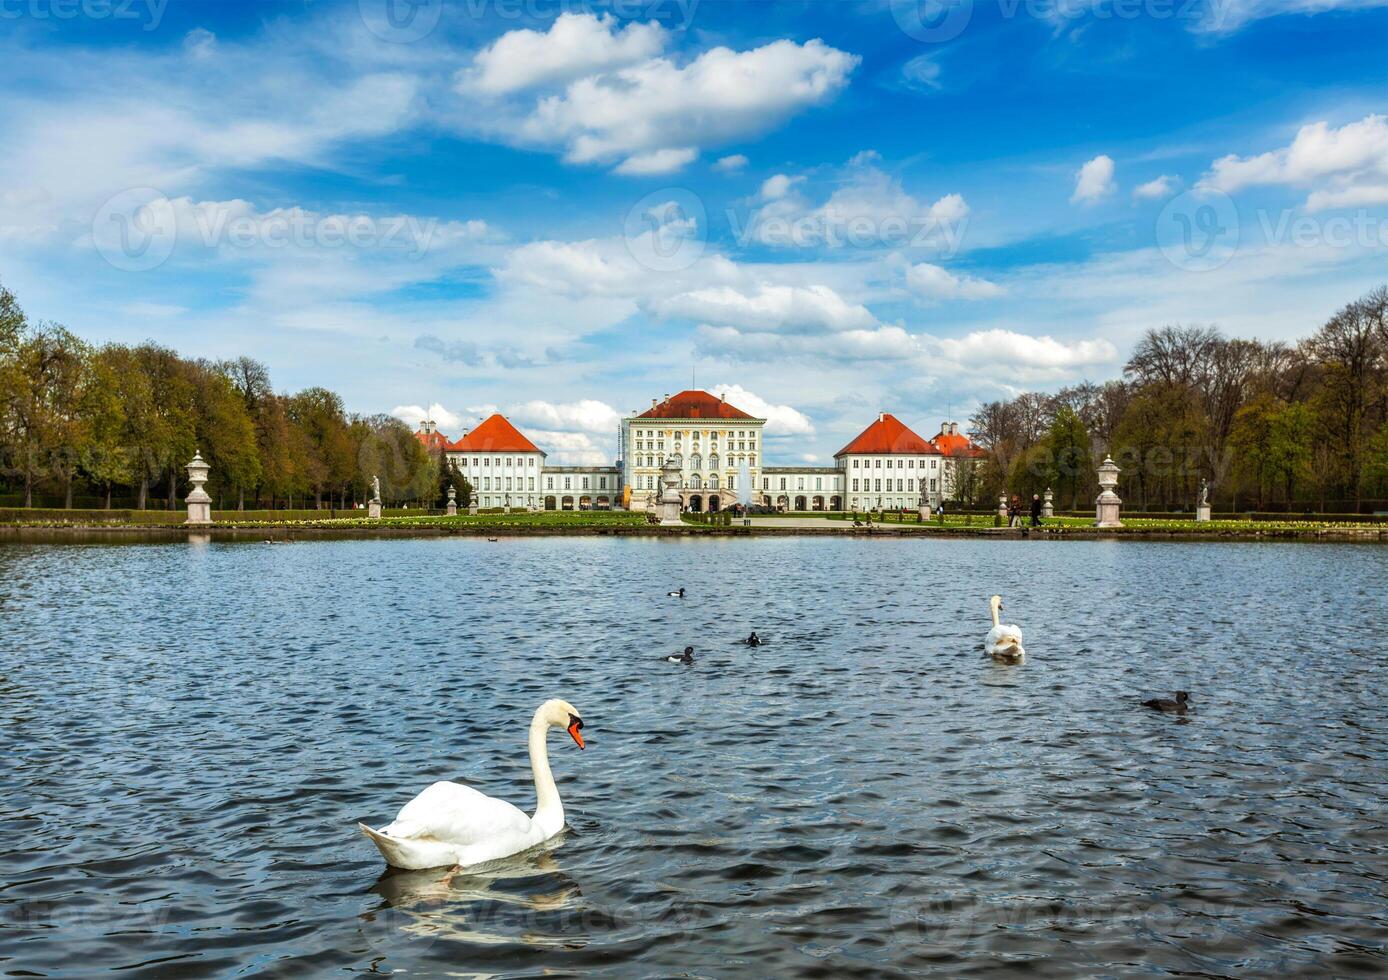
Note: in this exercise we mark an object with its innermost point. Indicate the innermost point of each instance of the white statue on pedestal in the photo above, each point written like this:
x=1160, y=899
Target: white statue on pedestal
x=373, y=506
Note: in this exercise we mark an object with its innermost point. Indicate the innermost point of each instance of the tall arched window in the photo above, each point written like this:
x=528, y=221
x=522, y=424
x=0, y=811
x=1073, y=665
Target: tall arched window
x=713, y=481
x=696, y=462
x=713, y=461
x=694, y=483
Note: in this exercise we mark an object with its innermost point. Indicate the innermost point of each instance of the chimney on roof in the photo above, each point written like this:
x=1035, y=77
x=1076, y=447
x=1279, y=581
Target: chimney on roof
x=881, y=416
x=655, y=402
x=723, y=397
x=667, y=396
x=944, y=428
x=954, y=428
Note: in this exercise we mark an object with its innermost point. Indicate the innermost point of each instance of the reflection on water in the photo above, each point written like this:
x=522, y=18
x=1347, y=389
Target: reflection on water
x=193, y=733
x=519, y=897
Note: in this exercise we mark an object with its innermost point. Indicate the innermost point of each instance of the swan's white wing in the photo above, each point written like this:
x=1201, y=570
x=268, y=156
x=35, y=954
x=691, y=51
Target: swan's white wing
x=1004, y=635
x=459, y=815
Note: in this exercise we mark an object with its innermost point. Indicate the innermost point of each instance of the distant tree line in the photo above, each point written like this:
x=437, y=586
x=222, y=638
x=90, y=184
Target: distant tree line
x=123, y=421
x=1270, y=425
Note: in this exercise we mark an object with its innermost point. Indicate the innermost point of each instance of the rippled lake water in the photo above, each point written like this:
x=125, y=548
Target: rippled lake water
x=191, y=733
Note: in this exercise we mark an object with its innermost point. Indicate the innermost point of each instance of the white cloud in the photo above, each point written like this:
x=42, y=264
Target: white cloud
x=200, y=43
x=664, y=161
x=922, y=71
x=731, y=164
x=1227, y=16
x=780, y=419
x=1158, y=188
x=993, y=359
x=796, y=309
x=1007, y=348
x=1094, y=181
x=575, y=45
x=867, y=208
x=570, y=448
x=586, y=415
x=633, y=114
x=1346, y=167
x=934, y=282
x=448, y=423
x=777, y=186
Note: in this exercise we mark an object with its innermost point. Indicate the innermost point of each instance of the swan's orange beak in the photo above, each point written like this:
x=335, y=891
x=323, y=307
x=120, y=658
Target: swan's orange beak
x=574, y=731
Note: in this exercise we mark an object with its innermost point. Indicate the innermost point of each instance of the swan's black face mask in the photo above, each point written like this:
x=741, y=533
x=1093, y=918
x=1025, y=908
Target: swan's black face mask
x=576, y=726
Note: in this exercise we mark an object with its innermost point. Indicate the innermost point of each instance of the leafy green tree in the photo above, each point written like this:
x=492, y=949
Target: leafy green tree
x=1069, y=458
x=46, y=392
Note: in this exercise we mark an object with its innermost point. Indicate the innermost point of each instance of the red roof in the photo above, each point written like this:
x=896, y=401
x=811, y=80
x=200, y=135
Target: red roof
x=888, y=435
x=957, y=444
x=434, y=441
x=694, y=405
x=495, y=435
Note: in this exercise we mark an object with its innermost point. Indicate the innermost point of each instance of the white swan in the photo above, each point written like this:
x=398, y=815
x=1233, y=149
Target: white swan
x=1004, y=642
x=450, y=823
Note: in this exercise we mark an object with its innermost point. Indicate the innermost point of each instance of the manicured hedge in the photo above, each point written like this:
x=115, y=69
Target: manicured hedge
x=58, y=515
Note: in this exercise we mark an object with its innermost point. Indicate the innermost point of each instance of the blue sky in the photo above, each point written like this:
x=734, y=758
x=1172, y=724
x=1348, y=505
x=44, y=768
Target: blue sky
x=824, y=209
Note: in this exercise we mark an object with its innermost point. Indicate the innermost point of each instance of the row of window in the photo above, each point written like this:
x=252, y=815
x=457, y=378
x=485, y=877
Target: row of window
x=510, y=483
x=907, y=463
x=908, y=487
x=678, y=434
x=696, y=462
x=799, y=483
x=486, y=462
x=585, y=483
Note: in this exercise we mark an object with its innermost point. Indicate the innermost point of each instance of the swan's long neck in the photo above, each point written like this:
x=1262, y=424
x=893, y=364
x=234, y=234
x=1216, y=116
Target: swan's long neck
x=994, y=606
x=549, y=812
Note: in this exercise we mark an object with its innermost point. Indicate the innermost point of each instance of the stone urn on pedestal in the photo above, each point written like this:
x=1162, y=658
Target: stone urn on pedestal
x=452, y=501
x=670, y=500
x=1048, y=503
x=373, y=506
x=199, y=503
x=1107, y=506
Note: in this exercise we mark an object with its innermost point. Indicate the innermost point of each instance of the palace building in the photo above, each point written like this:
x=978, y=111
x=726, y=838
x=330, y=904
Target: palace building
x=721, y=452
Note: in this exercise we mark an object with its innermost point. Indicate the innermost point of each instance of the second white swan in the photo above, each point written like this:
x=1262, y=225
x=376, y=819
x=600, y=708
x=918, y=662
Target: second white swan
x=1004, y=641
x=450, y=823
